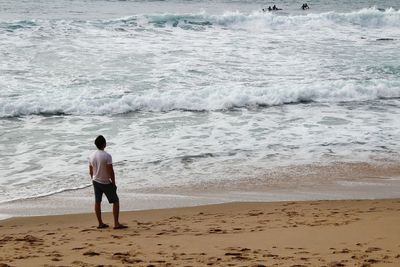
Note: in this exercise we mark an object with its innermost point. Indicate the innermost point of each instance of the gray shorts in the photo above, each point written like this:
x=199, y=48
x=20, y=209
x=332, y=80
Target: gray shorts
x=110, y=190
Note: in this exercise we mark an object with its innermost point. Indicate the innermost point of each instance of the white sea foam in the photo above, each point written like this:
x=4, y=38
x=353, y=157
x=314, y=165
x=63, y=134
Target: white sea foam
x=368, y=17
x=209, y=99
x=175, y=69
x=245, y=69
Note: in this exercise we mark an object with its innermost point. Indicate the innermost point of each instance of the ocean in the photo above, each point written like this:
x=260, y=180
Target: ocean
x=197, y=94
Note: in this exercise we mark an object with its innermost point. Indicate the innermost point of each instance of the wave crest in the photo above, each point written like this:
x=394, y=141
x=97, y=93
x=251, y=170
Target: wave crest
x=211, y=99
x=368, y=17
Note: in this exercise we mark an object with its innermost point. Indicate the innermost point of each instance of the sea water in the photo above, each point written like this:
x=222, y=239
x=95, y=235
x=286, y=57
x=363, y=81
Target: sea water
x=193, y=92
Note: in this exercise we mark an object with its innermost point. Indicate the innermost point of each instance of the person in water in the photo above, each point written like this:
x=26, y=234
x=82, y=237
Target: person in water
x=102, y=173
x=265, y=9
x=275, y=8
x=305, y=6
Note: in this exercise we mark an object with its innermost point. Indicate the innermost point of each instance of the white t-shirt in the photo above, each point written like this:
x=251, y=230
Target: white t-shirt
x=99, y=160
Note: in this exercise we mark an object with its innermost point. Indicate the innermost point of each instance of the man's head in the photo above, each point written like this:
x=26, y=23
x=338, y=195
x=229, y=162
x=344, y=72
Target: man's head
x=100, y=142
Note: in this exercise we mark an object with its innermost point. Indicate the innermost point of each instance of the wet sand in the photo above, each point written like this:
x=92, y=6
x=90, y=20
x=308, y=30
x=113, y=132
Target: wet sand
x=311, y=233
x=293, y=183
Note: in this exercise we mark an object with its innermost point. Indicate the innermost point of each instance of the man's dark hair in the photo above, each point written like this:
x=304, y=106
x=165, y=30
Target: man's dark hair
x=100, y=142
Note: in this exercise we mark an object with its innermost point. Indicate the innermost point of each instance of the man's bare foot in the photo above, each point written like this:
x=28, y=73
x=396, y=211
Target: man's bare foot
x=102, y=225
x=120, y=226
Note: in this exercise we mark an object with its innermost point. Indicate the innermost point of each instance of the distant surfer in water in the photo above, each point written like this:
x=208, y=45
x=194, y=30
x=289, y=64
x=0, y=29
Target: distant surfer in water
x=265, y=9
x=305, y=6
x=275, y=8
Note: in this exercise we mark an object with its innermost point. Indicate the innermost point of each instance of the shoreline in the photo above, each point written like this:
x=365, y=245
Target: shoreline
x=81, y=201
x=302, y=233
x=350, y=182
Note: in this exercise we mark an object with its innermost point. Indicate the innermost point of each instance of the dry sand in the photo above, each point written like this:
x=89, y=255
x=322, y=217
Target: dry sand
x=313, y=233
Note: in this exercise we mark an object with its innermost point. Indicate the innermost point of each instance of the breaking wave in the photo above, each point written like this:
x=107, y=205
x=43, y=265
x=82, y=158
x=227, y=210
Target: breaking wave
x=64, y=102
x=217, y=99
x=368, y=17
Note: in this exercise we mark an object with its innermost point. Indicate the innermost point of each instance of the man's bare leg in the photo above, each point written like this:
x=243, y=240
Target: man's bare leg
x=97, y=209
x=117, y=225
x=116, y=214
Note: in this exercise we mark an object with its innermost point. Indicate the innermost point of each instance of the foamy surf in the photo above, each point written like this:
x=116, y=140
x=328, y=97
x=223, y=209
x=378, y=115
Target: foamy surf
x=364, y=18
x=193, y=94
x=207, y=99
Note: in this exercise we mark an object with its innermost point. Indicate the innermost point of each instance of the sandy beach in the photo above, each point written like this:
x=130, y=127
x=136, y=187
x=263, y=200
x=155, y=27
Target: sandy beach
x=310, y=233
x=235, y=136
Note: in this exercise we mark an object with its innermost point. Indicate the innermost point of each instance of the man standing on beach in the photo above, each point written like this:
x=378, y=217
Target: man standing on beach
x=102, y=173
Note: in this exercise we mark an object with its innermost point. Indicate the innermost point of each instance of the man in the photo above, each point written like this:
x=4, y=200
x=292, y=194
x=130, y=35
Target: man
x=102, y=173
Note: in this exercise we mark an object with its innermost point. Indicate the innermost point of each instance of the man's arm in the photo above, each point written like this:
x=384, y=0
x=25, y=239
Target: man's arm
x=91, y=171
x=111, y=172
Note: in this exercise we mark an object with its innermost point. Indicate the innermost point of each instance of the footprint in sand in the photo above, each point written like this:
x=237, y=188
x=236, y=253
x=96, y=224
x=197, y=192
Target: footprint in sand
x=174, y=218
x=123, y=256
x=302, y=252
x=80, y=263
x=78, y=248
x=6, y=239
x=55, y=254
x=372, y=261
x=131, y=260
x=372, y=249
x=255, y=213
x=216, y=231
x=87, y=230
x=237, y=256
x=336, y=264
x=30, y=239
x=343, y=251
x=91, y=253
